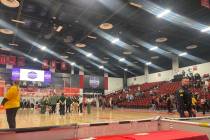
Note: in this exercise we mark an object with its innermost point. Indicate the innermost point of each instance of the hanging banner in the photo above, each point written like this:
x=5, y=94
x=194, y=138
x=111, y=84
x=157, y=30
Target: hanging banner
x=45, y=64
x=11, y=60
x=205, y=3
x=21, y=61
x=53, y=64
x=2, y=59
x=63, y=66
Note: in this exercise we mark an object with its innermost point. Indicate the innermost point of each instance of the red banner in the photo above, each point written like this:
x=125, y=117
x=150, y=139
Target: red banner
x=45, y=64
x=11, y=60
x=63, y=66
x=21, y=61
x=53, y=64
x=106, y=83
x=3, y=59
x=205, y=3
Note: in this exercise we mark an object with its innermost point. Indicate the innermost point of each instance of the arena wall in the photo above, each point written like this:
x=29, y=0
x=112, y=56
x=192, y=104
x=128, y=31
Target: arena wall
x=168, y=75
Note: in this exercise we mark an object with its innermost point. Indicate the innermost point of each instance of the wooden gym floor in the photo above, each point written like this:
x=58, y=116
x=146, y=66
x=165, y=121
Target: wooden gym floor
x=28, y=118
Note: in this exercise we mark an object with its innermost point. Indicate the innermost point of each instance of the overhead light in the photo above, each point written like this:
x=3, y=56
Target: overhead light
x=59, y=28
x=136, y=5
x=35, y=59
x=183, y=54
x=135, y=62
x=148, y=63
x=17, y=21
x=10, y=3
x=164, y=13
x=136, y=46
x=80, y=45
x=190, y=47
x=154, y=57
x=161, y=39
x=104, y=62
x=65, y=56
x=127, y=52
x=205, y=29
x=43, y=48
x=5, y=49
x=6, y=31
x=70, y=52
x=106, y=26
x=73, y=63
x=89, y=54
x=153, y=48
x=101, y=67
x=92, y=37
x=125, y=69
x=122, y=59
x=115, y=40
x=13, y=44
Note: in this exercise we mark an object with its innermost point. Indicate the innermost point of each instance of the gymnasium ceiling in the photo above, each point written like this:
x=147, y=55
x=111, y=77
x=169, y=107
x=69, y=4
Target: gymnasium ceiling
x=137, y=27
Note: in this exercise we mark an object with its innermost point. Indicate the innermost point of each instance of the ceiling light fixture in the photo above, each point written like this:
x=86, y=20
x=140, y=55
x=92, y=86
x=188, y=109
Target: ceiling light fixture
x=65, y=56
x=190, y=47
x=106, y=26
x=122, y=59
x=17, y=21
x=92, y=37
x=136, y=5
x=6, y=31
x=153, y=48
x=13, y=44
x=125, y=69
x=161, y=39
x=70, y=52
x=43, y=48
x=205, y=30
x=35, y=59
x=115, y=40
x=59, y=28
x=164, y=13
x=89, y=54
x=80, y=45
x=183, y=54
x=10, y=3
x=155, y=57
x=73, y=63
x=101, y=67
x=148, y=63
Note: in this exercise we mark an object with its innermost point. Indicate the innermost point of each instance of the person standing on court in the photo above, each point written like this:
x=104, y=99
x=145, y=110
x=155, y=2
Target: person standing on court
x=68, y=104
x=62, y=104
x=184, y=99
x=11, y=103
x=81, y=104
x=53, y=101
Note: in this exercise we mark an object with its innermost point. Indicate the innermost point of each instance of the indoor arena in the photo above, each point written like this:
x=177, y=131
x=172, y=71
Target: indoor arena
x=104, y=70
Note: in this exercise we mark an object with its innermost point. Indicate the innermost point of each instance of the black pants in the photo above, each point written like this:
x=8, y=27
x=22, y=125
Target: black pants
x=80, y=108
x=62, y=109
x=68, y=108
x=11, y=114
x=204, y=106
x=53, y=108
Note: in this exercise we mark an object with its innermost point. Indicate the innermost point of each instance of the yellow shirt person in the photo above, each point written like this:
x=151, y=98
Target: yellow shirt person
x=11, y=103
x=13, y=97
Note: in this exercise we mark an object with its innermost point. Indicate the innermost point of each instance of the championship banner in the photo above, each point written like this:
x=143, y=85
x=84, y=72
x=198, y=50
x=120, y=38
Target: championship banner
x=53, y=64
x=63, y=66
x=21, y=61
x=3, y=59
x=205, y=3
x=11, y=60
x=45, y=64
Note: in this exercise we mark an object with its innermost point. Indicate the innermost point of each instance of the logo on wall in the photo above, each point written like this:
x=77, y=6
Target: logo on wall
x=32, y=75
x=94, y=82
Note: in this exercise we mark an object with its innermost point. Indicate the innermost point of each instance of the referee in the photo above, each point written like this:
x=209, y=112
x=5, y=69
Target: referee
x=11, y=103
